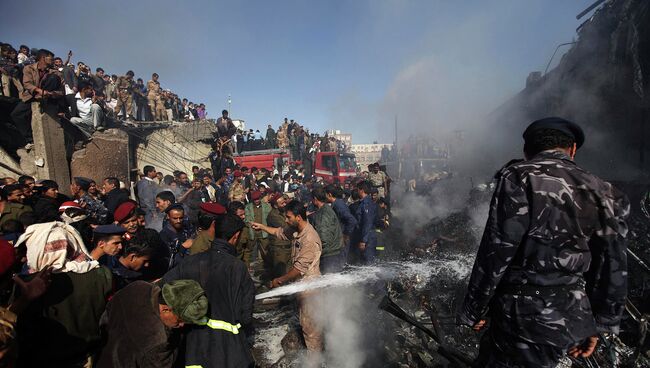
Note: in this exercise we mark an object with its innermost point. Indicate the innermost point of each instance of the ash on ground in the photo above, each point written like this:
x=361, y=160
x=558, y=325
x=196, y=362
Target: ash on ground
x=436, y=262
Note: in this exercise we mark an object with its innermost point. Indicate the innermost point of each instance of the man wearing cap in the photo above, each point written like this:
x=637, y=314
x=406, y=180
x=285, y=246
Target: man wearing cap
x=378, y=179
x=221, y=341
x=107, y=242
x=142, y=323
x=97, y=213
x=127, y=215
x=550, y=273
x=258, y=242
x=205, y=236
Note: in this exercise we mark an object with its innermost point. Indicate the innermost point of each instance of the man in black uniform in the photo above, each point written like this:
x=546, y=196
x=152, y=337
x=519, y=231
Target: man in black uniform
x=221, y=340
x=551, y=271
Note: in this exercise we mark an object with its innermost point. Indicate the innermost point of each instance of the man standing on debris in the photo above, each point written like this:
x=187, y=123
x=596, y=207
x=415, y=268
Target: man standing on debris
x=124, y=87
x=551, y=269
x=153, y=97
x=305, y=255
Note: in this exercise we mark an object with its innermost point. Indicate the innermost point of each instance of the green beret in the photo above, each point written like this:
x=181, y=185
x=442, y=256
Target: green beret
x=187, y=300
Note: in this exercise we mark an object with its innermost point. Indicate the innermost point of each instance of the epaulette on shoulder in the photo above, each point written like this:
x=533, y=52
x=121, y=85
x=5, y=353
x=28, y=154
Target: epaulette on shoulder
x=505, y=167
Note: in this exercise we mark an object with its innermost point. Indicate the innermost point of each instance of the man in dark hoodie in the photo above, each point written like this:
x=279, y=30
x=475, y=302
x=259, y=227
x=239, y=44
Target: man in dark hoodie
x=46, y=208
x=221, y=341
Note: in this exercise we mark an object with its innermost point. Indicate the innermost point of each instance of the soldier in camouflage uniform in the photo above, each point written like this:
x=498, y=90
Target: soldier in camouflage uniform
x=378, y=179
x=551, y=271
x=124, y=87
x=155, y=99
x=237, y=192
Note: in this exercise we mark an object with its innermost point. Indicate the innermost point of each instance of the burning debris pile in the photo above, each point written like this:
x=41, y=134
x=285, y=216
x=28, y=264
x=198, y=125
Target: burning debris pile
x=427, y=278
x=423, y=285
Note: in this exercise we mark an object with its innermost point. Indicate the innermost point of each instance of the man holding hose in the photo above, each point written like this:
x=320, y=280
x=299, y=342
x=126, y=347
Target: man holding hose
x=305, y=253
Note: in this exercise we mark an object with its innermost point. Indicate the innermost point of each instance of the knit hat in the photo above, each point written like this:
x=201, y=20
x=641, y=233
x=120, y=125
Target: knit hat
x=187, y=300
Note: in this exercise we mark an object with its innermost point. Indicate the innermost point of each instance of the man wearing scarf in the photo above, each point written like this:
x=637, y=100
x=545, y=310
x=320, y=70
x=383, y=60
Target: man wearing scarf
x=61, y=329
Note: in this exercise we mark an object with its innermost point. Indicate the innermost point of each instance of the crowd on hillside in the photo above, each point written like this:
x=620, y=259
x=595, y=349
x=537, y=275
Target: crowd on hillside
x=79, y=94
x=104, y=242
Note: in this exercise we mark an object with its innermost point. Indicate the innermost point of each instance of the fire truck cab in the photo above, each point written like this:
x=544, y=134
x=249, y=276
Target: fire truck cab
x=333, y=167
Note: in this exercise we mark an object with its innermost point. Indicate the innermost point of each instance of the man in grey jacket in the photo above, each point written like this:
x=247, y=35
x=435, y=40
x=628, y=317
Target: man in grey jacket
x=146, y=191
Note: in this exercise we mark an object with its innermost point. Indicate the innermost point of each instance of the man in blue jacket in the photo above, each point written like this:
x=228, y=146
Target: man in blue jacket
x=364, y=240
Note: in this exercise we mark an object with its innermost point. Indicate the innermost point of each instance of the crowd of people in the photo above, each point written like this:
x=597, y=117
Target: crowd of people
x=290, y=136
x=189, y=249
x=79, y=94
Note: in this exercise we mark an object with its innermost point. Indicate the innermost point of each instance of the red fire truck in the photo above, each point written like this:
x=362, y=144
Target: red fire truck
x=333, y=167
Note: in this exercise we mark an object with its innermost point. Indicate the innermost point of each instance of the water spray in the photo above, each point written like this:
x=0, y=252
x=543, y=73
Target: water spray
x=458, y=267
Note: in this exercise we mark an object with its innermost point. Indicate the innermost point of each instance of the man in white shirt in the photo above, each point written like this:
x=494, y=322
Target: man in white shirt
x=87, y=114
x=23, y=54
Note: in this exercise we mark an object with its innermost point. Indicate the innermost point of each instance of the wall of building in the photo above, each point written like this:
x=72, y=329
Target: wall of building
x=367, y=154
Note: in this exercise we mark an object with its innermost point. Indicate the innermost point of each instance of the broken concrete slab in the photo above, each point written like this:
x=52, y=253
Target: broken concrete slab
x=106, y=155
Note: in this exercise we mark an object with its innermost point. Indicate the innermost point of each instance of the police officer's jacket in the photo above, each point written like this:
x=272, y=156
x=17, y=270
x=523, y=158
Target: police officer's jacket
x=221, y=342
x=552, y=227
x=365, y=213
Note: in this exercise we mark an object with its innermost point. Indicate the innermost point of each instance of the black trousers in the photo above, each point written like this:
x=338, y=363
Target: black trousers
x=21, y=118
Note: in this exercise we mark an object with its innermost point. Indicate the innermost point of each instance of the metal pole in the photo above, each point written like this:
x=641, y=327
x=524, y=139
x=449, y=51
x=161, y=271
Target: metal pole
x=590, y=8
x=555, y=52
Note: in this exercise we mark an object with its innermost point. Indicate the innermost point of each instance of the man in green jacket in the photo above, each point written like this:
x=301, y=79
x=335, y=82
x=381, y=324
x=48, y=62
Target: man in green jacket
x=12, y=206
x=258, y=241
x=281, y=249
x=328, y=228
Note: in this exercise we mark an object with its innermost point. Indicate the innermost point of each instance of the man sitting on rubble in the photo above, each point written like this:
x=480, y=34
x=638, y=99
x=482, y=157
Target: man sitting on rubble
x=86, y=113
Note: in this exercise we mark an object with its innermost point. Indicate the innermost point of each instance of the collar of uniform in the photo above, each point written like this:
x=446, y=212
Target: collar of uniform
x=557, y=154
x=221, y=245
x=298, y=235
